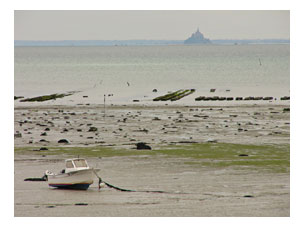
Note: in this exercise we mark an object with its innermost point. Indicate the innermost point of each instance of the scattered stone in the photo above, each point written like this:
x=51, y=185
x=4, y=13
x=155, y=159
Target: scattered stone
x=156, y=118
x=63, y=141
x=93, y=129
x=248, y=196
x=142, y=146
x=43, y=148
x=286, y=110
x=18, y=135
x=212, y=141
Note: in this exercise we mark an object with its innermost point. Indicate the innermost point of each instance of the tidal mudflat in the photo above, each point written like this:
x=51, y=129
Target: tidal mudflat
x=212, y=161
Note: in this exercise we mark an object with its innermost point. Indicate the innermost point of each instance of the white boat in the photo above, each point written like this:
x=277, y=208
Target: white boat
x=76, y=175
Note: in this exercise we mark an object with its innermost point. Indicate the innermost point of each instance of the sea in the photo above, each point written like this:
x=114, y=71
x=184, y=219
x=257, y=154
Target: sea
x=125, y=74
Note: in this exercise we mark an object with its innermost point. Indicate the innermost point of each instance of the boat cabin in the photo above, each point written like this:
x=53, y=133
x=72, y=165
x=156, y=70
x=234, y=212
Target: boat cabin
x=75, y=164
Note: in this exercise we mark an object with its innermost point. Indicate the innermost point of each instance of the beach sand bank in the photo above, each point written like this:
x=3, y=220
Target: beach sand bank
x=199, y=183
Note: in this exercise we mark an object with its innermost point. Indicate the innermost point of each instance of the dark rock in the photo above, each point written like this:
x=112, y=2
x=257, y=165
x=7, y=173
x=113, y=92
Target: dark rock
x=63, y=141
x=43, y=148
x=239, y=98
x=156, y=118
x=212, y=90
x=212, y=141
x=286, y=110
x=248, y=196
x=47, y=129
x=135, y=100
x=93, y=129
x=18, y=135
x=229, y=98
x=142, y=146
x=43, y=134
x=154, y=90
x=243, y=155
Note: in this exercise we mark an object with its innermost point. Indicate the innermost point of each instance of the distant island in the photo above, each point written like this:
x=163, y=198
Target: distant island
x=95, y=43
x=197, y=38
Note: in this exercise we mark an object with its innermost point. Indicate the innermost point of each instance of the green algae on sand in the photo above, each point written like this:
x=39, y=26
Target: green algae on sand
x=274, y=158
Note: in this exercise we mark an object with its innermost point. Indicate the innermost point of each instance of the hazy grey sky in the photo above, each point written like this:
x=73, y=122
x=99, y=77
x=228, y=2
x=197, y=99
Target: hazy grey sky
x=174, y=25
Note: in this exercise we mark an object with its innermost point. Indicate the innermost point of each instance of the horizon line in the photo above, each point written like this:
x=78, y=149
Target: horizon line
x=152, y=39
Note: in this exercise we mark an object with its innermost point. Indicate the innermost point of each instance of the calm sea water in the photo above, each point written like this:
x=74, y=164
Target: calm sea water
x=132, y=72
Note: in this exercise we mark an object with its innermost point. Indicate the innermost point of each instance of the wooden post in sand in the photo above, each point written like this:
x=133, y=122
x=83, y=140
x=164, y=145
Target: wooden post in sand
x=104, y=106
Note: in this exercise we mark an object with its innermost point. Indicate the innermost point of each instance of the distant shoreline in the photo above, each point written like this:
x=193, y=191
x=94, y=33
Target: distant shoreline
x=85, y=43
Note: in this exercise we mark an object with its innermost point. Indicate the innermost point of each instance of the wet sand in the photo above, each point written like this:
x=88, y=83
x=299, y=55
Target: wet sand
x=194, y=190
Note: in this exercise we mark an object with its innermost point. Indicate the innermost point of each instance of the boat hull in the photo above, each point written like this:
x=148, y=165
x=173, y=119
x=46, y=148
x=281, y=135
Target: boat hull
x=80, y=179
x=71, y=186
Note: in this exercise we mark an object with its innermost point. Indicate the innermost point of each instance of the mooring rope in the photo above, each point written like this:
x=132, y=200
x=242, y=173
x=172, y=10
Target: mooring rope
x=44, y=178
x=122, y=189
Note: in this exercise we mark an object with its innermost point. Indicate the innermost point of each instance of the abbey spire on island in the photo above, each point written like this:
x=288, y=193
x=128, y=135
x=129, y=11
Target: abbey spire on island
x=197, y=38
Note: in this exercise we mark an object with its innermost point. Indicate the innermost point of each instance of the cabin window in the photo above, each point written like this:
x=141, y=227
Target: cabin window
x=69, y=164
x=80, y=163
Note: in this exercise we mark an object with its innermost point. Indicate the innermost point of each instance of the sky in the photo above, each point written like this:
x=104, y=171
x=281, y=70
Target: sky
x=148, y=24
